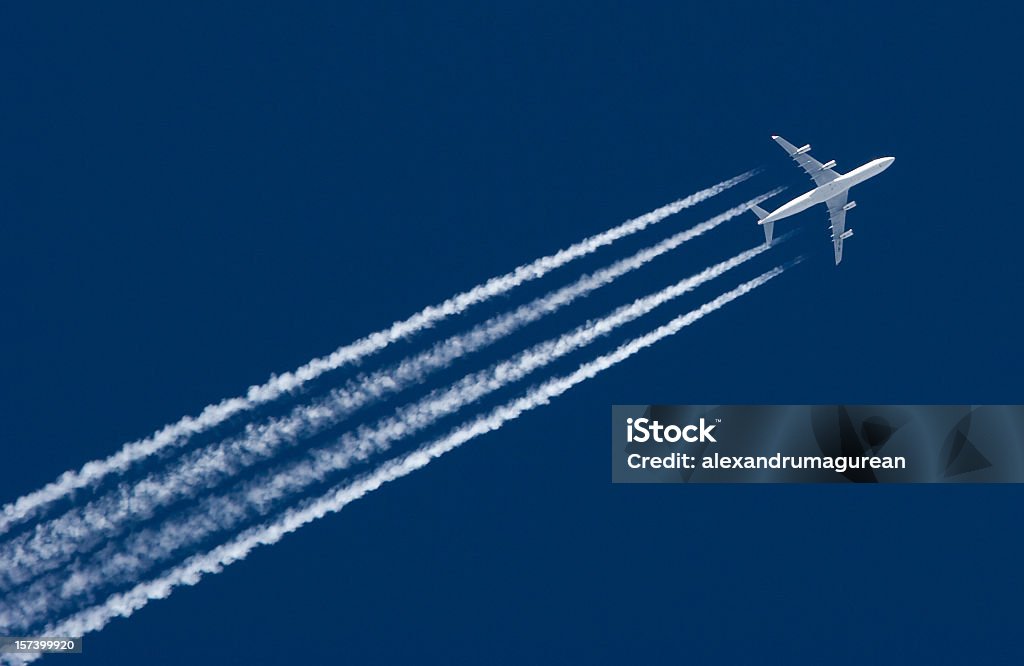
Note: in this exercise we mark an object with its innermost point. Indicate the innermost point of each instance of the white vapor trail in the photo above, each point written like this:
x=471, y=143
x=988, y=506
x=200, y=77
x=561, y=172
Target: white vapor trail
x=257, y=496
x=54, y=542
x=176, y=434
x=192, y=570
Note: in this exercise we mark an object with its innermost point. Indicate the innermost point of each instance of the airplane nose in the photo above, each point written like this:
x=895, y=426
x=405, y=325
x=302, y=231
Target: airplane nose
x=887, y=162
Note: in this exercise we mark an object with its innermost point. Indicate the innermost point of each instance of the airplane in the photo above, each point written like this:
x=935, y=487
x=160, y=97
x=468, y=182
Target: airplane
x=832, y=189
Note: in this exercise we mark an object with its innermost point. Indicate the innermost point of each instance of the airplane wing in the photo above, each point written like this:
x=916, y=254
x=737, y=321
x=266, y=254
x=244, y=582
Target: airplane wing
x=815, y=169
x=837, y=217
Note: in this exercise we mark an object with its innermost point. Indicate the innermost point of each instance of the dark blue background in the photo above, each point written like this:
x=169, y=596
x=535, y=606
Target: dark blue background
x=194, y=198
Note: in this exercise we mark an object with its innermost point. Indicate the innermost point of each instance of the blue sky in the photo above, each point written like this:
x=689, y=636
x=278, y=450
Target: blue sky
x=197, y=197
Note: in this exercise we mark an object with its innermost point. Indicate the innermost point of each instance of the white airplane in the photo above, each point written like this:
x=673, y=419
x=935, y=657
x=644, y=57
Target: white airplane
x=832, y=189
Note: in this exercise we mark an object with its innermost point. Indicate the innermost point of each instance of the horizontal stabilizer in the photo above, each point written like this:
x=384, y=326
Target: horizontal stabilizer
x=760, y=212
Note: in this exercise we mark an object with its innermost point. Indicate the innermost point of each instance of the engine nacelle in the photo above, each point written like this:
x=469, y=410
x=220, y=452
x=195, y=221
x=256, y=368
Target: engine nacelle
x=850, y=206
x=846, y=234
x=802, y=150
x=828, y=165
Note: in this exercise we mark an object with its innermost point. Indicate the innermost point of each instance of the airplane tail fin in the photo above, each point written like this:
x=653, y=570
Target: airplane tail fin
x=761, y=214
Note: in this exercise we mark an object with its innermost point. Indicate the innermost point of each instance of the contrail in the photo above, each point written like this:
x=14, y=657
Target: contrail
x=176, y=434
x=80, y=529
x=195, y=568
x=259, y=495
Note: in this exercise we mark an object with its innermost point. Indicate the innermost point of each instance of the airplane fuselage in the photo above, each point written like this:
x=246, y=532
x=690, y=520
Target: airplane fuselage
x=829, y=190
